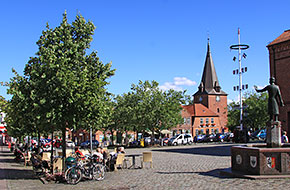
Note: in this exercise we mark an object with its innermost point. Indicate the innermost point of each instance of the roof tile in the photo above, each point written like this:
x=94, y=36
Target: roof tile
x=285, y=36
x=199, y=110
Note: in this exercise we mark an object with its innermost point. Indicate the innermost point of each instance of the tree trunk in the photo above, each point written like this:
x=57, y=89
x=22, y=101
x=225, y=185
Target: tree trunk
x=51, y=153
x=112, y=137
x=38, y=134
x=63, y=147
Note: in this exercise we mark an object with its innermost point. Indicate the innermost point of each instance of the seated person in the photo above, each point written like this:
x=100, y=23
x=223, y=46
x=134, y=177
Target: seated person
x=99, y=153
x=41, y=150
x=79, y=153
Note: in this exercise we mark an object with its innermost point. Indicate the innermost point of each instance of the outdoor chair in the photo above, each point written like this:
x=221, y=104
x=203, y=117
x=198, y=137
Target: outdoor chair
x=59, y=154
x=120, y=161
x=27, y=158
x=147, y=157
x=69, y=153
x=57, y=165
x=46, y=156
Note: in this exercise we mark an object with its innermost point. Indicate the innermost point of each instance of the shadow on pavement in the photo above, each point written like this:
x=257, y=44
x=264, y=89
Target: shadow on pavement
x=6, y=155
x=16, y=174
x=7, y=160
x=213, y=173
x=209, y=151
x=176, y=172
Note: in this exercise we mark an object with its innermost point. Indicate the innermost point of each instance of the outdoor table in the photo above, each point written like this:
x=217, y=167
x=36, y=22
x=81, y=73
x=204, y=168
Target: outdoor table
x=133, y=160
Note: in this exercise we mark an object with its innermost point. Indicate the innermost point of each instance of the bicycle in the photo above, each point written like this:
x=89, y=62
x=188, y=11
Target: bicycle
x=79, y=170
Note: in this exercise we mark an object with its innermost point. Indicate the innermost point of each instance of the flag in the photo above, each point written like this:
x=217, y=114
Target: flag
x=234, y=59
x=244, y=55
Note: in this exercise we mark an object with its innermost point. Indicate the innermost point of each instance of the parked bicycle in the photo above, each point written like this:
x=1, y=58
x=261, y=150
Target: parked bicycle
x=78, y=170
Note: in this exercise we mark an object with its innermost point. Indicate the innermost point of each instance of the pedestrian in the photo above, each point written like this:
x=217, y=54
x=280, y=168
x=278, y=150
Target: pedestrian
x=195, y=139
x=284, y=137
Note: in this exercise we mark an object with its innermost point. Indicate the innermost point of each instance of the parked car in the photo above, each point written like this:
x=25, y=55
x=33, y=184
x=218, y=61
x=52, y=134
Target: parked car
x=149, y=141
x=208, y=138
x=135, y=143
x=219, y=137
x=70, y=144
x=56, y=143
x=165, y=141
x=259, y=134
x=229, y=137
x=87, y=144
x=180, y=139
x=200, y=138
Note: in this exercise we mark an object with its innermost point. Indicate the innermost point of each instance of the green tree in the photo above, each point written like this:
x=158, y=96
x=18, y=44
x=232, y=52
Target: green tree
x=255, y=112
x=154, y=109
x=67, y=86
x=18, y=109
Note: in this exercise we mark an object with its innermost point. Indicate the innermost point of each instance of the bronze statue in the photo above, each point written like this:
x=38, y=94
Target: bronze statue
x=274, y=97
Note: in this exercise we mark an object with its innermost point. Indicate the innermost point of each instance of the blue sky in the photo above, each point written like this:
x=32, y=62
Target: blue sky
x=162, y=40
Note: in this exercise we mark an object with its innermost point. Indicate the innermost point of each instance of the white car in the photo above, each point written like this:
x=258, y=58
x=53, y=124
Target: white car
x=70, y=144
x=181, y=139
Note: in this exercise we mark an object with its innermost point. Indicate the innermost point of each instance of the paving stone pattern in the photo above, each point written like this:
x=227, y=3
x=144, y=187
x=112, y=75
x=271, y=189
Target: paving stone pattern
x=179, y=167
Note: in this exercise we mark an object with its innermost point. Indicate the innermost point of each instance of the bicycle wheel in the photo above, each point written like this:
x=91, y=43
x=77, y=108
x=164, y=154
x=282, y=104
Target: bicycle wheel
x=73, y=175
x=98, y=172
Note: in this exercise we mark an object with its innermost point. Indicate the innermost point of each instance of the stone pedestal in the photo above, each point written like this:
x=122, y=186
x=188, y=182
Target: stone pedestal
x=273, y=138
x=260, y=160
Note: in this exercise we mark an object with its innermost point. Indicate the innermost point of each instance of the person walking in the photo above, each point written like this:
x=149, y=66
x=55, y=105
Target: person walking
x=284, y=137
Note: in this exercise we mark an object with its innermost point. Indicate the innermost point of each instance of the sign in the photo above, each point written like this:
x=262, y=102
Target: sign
x=271, y=162
x=253, y=161
x=239, y=159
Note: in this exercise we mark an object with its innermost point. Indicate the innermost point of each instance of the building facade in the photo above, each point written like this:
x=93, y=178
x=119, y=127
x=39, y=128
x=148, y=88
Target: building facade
x=208, y=113
x=279, y=55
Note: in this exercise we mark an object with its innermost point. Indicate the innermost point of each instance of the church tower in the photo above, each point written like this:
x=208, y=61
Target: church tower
x=209, y=91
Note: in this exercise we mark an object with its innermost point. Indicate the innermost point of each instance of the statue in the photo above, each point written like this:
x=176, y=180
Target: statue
x=274, y=97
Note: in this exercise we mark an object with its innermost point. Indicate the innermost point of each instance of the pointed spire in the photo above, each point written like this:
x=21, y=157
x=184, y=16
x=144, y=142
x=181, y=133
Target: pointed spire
x=209, y=82
x=208, y=45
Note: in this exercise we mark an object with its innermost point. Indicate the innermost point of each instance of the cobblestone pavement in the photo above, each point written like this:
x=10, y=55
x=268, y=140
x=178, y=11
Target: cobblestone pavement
x=180, y=167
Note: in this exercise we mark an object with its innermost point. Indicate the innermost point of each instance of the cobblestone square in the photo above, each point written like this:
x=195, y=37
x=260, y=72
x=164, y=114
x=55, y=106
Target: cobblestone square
x=177, y=167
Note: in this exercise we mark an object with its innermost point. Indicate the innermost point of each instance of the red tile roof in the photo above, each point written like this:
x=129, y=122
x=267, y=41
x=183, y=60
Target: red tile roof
x=199, y=110
x=285, y=36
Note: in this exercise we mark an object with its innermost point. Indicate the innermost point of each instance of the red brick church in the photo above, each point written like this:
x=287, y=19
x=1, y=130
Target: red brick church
x=279, y=54
x=208, y=113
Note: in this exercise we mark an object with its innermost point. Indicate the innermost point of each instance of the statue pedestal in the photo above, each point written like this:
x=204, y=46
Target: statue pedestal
x=271, y=160
x=273, y=138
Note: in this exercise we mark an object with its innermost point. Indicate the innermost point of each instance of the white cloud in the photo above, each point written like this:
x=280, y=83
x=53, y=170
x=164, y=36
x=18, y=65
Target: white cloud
x=183, y=81
x=177, y=83
x=170, y=85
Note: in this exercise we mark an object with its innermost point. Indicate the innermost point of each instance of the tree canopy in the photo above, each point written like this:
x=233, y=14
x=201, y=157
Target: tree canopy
x=63, y=86
x=255, y=112
x=146, y=107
